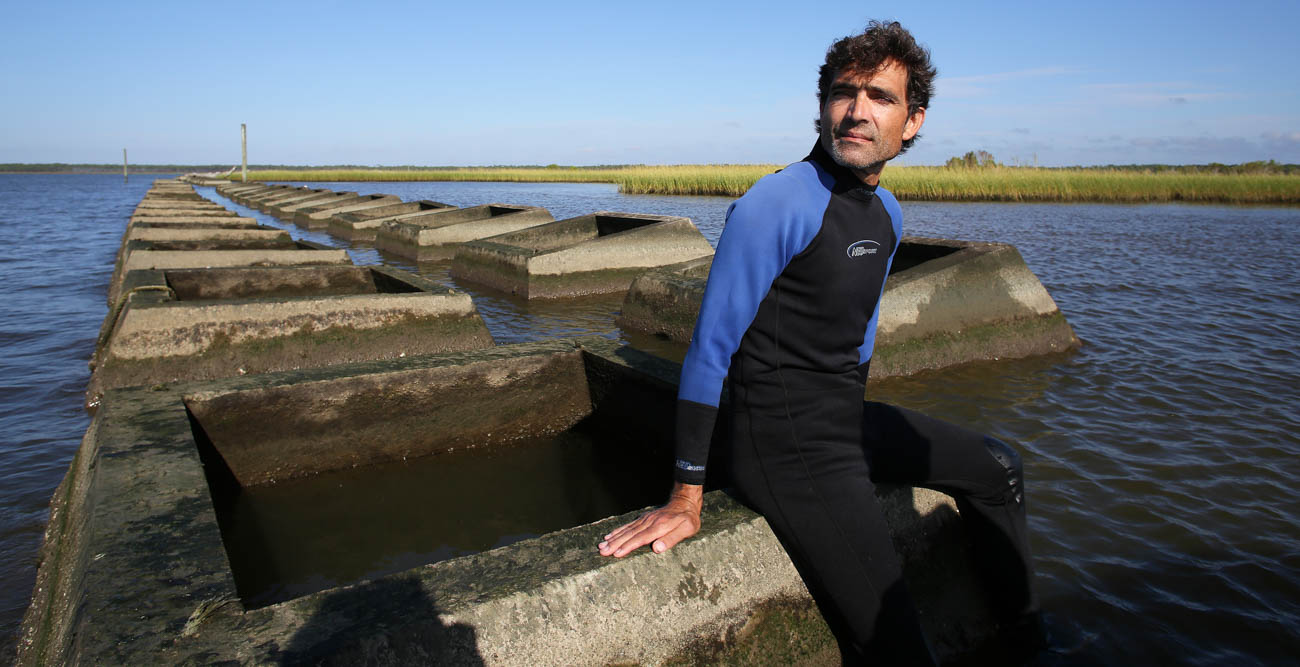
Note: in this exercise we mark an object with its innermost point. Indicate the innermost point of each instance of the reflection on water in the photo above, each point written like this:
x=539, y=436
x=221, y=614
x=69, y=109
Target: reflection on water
x=1160, y=457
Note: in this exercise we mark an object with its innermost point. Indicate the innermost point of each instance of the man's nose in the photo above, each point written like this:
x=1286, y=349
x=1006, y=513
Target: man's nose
x=860, y=109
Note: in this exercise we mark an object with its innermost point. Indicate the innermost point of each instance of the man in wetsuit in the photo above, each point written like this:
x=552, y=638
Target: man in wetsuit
x=788, y=321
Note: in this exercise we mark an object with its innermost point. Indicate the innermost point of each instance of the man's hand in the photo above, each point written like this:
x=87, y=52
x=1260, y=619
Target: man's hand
x=664, y=527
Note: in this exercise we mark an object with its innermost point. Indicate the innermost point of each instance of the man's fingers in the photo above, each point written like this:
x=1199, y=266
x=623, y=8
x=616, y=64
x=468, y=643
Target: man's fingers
x=679, y=532
x=641, y=532
x=619, y=534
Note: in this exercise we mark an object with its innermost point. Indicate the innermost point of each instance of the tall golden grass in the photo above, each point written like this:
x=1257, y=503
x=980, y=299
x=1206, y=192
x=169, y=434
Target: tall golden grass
x=1007, y=184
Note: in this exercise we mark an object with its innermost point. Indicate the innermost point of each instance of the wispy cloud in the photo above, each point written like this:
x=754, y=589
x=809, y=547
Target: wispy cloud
x=975, y=85
x=1153, y=93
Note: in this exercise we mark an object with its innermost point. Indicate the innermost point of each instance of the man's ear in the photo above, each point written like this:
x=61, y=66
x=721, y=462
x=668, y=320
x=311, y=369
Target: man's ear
x=914, y=123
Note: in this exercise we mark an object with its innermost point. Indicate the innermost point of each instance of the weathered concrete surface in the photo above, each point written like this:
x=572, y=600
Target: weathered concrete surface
x=257, y=198
x=590, y=254
x=296, y=195
x=945, y=303
x=237, y=187
x=191, y=259
x=133, y=570
x=243, y=195
x=203, y=324
x=666, y=301
x=318, y=217
x=141, y=233
x=210, y=221
x=361, y=225
x=285, y=208
x=179, y=211
x=163, y=207
x=274, y=203
x=248, y=197
x=981, y=301
x=434, y=235
x=270, y=241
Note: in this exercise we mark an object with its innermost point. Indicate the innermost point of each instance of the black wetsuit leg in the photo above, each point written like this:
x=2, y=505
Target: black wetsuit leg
x=985, y=477
x=800, y=463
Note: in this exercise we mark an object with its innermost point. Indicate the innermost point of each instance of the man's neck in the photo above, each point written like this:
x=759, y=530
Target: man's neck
x=870, y=177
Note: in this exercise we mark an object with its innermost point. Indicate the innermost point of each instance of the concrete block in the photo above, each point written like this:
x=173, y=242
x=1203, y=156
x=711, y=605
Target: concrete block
x=187, y=324
x=318, y=217
x=360, y=225
x=241, y=193
x=297, y=194
x=193, y=212
x=235, y=187
x=945, y=303
x=141, y=563
x=143, y=233
x=434, y=235
x=194, y=259
x=197, y=222
x=590, y=254
x=252, y=199
x=162, y=238
x=286, y=210
x=274, y=206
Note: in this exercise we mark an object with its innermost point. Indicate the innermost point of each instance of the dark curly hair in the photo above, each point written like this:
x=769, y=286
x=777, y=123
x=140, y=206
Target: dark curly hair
x=868, y=51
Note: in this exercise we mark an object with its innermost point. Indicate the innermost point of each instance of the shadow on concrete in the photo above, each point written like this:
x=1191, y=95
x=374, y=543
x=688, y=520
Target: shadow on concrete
x=389, y=621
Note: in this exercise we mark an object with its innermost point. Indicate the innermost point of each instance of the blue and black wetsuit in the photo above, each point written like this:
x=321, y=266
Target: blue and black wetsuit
x=788, y=321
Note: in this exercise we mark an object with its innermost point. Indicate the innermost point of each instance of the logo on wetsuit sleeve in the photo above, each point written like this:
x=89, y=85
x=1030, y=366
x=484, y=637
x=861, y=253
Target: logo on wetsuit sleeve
x=863, y=247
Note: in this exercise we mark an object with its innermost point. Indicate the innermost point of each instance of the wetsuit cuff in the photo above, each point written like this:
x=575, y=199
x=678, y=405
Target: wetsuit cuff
x=694, y=431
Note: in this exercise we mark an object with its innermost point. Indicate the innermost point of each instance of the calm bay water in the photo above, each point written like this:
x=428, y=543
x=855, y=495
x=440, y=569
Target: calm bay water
x=1160, y=457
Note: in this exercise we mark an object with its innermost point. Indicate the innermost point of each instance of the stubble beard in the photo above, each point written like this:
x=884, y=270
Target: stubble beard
x=858, y=157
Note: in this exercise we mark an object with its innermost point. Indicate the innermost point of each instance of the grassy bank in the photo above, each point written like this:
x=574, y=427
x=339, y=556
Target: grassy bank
x=1010, y=184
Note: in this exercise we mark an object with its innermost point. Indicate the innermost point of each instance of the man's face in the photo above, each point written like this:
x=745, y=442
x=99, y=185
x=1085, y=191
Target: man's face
x=864, y=118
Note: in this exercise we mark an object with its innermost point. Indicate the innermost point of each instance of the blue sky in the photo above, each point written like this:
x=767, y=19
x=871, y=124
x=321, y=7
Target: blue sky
x=480, y=83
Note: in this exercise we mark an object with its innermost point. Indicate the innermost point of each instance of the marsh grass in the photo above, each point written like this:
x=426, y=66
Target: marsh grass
x=1006, y=184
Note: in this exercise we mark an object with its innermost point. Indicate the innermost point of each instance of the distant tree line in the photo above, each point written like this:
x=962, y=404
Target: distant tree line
x=984, y=159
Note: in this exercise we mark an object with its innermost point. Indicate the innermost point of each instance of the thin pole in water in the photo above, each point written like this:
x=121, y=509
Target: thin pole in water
x=243, y=149
x=124, y=164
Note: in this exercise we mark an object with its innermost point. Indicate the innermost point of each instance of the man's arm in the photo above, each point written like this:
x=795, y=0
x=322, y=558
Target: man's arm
x=773, y=222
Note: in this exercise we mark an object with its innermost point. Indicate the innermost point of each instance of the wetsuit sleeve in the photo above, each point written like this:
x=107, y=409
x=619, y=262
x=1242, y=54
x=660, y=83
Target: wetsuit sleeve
x=763, y=231
x=869, y=339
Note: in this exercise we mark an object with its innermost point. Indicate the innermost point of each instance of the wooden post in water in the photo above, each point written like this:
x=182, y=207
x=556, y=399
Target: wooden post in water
x=123, y=164
x=243, y=150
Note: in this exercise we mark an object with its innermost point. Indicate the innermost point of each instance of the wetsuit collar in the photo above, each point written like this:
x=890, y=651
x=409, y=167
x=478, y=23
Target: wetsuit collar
x=845, y=180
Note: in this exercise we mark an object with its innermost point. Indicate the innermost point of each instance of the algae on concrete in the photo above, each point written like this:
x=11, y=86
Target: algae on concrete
x=945, y=303
x=434, y=235
x=209, y=323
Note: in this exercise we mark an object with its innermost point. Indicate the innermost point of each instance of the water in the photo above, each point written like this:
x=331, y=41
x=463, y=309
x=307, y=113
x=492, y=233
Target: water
x=300, y=536
x=1160, y=457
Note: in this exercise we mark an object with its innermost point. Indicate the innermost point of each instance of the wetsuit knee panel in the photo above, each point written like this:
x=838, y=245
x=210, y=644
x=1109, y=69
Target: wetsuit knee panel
x=1009, y=459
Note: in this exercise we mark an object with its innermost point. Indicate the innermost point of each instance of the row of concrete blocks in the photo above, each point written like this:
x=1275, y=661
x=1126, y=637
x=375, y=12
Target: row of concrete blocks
x=520, y=250
x=134, y=570
x=198, y=293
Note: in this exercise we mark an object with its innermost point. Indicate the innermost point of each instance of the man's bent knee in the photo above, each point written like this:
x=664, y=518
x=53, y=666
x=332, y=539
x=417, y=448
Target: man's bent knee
x=1009, y=459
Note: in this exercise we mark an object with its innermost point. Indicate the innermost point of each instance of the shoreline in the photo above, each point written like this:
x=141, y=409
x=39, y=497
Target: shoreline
x=908, y=183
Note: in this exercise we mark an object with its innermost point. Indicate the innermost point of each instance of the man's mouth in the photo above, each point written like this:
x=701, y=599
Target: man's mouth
x=855, y=137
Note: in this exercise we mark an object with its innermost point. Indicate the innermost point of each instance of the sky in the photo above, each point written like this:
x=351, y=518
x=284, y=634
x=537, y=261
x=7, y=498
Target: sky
x=496, y=83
